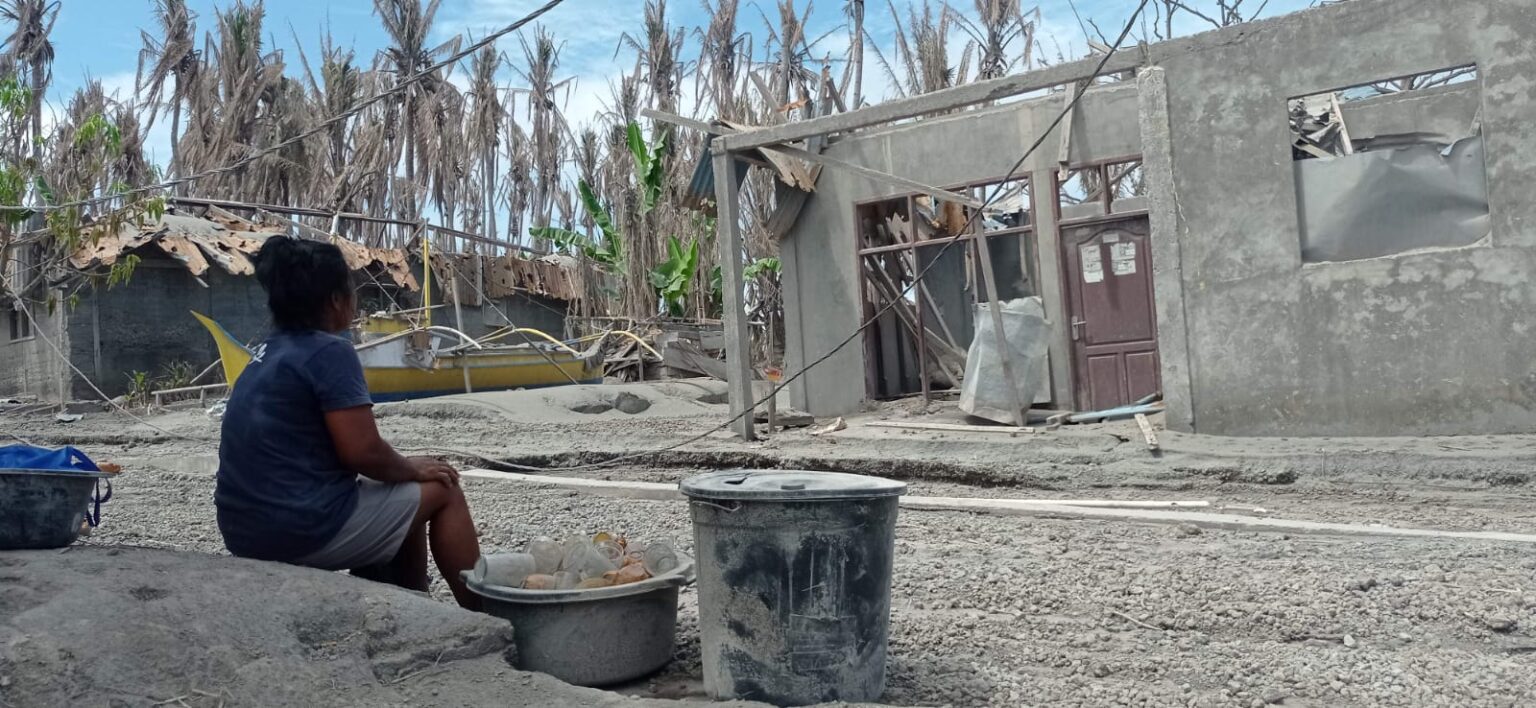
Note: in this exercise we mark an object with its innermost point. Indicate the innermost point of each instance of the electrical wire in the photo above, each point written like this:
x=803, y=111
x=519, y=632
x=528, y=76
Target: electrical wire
x=37, y=331
x=750, y=410
x=996, y=192
x=318, y=129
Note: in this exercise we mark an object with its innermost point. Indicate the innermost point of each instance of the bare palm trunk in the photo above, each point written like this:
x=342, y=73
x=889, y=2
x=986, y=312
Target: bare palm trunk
x=175, y=139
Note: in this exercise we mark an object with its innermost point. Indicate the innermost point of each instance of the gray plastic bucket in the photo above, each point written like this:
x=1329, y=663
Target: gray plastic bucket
x=794, y=583
x=595, y=637
x=43, y=508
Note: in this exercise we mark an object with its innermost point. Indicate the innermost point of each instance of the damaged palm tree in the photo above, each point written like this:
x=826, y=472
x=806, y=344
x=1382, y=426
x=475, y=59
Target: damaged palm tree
x=29, y=50
x=169, y=58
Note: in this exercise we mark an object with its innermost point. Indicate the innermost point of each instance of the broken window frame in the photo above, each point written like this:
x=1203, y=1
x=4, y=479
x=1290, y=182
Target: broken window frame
x=24, y=264
x=907, y=204
x=1342, y=216
x=1106, y=197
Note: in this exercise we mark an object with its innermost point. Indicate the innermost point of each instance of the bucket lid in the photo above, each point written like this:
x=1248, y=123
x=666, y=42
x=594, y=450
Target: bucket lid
x=788, y=485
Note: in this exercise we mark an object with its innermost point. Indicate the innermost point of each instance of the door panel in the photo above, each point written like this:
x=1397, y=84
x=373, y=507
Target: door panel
x=1142, y=375
x=1112, y=320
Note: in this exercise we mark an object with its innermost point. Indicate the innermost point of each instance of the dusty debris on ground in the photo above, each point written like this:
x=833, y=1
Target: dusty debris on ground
x=127, y=626
x=1007, y=611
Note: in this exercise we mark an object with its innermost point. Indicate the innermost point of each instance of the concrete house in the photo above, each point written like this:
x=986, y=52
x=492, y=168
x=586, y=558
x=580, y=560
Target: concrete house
x=1319, y=224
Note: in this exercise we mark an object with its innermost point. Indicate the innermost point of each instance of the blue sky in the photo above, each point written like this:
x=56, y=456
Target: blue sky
x=100, y=38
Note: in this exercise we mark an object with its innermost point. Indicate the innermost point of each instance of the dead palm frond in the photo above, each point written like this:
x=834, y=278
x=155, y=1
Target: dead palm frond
x=658, y=56
x=922, y=50
x=170, y=57
x=855, y=68
x=409, y=26
x=999, y=26
x=723, y=53
x=546, y=122
x=29, y=48
x=483, y=132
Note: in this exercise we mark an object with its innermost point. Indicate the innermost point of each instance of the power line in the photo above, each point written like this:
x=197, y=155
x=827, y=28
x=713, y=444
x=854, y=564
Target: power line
x=319, y=128
x=750, y=410
x=1002, y=184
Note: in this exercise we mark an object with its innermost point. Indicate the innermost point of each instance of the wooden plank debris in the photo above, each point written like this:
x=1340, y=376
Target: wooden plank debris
x=1147, y=432
x=1092, y=510
x=1011, y=430
x=666, y=491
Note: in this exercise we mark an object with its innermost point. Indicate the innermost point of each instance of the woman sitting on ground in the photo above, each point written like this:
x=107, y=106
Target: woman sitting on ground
x=304, y=477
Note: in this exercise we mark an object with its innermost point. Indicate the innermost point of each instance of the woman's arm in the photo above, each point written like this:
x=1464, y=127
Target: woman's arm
x=363, y=451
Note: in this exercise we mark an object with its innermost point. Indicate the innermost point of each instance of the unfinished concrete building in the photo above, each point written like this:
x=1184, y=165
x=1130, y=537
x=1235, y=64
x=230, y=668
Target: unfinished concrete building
x=1318, y=224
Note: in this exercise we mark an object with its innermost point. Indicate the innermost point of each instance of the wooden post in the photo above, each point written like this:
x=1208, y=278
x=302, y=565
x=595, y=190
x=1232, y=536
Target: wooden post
x=426, y=273
x=984, y=252
x=458, y=323
x=58, y=313
x=738, y=345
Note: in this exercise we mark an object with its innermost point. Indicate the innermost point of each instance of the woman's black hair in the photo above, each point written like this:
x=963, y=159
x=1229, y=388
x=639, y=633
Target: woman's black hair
x=300, y=278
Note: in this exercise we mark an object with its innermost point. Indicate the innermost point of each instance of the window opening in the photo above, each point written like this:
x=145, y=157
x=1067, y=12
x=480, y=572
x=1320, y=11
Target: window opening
x=1390, y=167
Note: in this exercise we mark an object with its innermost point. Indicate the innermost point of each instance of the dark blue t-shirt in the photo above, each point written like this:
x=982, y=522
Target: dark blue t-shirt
x=282, y=492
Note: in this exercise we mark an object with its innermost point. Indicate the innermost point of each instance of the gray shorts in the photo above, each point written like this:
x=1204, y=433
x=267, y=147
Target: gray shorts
x=375, y=530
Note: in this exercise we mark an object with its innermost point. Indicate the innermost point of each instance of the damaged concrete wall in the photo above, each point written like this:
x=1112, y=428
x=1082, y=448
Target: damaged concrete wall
x=821, y=275
x=29, y=367
x=146, y=324
x=1451, y=111
x=1256, y=343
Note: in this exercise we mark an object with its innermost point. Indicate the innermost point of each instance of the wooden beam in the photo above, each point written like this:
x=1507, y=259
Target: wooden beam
x=280, y=209
x=1010, y=430
x=738, y=333
x=942, y=100
x=821, y=159
x=1147, y=432
x=878, y=176
x=989, y=281
x=484, y=239
x=665, y=491
x=677, y=120
x=1064, y=153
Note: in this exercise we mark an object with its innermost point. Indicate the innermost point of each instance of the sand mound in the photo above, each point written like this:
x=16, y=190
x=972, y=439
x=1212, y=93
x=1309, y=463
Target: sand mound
x=110, y=626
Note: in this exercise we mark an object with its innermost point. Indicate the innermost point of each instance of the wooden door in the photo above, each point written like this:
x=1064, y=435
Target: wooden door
x=1111, y=317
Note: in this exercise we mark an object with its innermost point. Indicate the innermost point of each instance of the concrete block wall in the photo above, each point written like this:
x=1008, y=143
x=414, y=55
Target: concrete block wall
x=29, y=366
x=146, y=324
x=1257, y=343
x=821, y=286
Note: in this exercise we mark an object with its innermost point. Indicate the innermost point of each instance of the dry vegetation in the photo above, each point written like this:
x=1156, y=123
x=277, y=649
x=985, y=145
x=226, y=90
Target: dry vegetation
x=498, y=157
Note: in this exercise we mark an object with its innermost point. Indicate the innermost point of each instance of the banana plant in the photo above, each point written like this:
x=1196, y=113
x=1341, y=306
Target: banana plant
x=648, y=166
x=673, y=278
x=608, y=252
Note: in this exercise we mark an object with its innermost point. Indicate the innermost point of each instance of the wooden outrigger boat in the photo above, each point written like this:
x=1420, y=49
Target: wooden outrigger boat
x=420, y=362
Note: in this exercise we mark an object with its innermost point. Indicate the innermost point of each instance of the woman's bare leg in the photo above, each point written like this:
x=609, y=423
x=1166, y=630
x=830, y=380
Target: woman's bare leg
x=451, y=534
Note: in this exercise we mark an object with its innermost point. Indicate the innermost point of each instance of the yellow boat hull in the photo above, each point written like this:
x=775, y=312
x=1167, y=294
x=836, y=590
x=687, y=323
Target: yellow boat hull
x=494, y=372
x=489, y=370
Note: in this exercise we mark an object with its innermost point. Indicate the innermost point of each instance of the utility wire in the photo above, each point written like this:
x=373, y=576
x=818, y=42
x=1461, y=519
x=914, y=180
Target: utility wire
x=970, y=220
x=322, y=127
x=1077, y=96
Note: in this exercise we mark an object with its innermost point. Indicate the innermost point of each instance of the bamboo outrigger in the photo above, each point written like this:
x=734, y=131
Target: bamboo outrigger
x=420, y=362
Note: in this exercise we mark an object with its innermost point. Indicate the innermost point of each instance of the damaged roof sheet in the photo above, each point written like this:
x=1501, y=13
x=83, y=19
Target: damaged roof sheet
x=225, y=241
x=230, y=242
